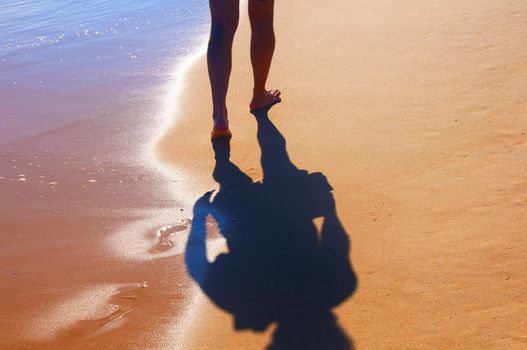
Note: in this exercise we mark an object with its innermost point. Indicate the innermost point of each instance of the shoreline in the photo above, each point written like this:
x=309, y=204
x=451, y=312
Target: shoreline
x=88, y=243
x=169, y=115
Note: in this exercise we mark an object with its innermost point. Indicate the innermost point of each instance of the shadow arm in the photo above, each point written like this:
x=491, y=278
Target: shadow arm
x=334, y=237
x=196, y=249
x=334, y=240
x=335, y=245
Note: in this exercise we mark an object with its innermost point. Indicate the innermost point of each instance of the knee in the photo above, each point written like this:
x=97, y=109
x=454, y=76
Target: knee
x=261, y=24
x=224, y=29
x=261, y=13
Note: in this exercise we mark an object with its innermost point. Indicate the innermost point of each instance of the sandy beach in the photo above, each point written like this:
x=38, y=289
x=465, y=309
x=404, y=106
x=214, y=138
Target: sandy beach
x=415, y=113
x=405, y=130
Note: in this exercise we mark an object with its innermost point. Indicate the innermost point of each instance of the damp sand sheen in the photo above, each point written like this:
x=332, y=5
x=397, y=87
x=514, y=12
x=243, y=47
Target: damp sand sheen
x=415, y=113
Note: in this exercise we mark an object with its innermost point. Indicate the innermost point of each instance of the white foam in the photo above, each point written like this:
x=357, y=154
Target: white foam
x=136, y=240
x=169, y=116
x=89, y=304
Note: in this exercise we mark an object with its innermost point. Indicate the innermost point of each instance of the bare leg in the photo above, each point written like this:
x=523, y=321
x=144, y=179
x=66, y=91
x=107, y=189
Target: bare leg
x=262, y=49
x=224, y=18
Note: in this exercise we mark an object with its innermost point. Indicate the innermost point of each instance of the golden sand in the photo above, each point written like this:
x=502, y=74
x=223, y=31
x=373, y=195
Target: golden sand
x=415, y=112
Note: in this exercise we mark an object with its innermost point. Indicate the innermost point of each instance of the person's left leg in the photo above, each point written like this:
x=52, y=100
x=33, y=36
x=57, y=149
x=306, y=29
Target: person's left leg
x=262, y=48
x=224, y=21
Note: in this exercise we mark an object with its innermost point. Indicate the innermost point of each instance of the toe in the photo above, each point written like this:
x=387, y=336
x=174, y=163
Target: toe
x=275, y=92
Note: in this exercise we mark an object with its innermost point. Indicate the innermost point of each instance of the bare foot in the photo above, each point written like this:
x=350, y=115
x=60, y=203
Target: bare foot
x=220, y=129
x=265, y=100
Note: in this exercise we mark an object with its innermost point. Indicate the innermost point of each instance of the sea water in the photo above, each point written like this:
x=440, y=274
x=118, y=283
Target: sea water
x=65, y=62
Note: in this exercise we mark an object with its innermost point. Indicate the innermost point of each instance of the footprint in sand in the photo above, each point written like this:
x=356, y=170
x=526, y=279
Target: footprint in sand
x=164, y=236
x=150, y=238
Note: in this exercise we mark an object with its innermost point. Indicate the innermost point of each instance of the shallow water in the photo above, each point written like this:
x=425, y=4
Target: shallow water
x=65, y=61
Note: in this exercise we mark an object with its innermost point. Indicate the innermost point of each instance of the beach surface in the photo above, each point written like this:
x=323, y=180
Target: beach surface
x=415, y=113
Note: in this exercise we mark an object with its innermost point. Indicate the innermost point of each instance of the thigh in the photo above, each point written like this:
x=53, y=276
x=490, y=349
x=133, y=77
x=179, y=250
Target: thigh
x=261, y=9
x=224, y=11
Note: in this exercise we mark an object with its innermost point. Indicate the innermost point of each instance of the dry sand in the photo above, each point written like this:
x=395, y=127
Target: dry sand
x=416, y=113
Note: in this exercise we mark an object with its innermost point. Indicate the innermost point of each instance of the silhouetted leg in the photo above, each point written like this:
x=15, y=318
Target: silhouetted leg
x=225, y=172
x=196, y=250
x=224, y=18
x=275, y=160
x=310, y=330
x=262, y=49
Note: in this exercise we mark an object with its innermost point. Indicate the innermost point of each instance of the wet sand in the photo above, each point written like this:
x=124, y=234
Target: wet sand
x=83, y=266
x=415, y=113
x=87, y=257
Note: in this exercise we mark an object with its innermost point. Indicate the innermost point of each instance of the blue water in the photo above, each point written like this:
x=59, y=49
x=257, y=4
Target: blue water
x=63, y=61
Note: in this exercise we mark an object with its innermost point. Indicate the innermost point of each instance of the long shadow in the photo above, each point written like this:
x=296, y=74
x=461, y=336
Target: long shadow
x=279, y=267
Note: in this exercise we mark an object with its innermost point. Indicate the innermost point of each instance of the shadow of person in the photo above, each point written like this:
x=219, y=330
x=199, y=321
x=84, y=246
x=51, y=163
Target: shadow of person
x=279, y=268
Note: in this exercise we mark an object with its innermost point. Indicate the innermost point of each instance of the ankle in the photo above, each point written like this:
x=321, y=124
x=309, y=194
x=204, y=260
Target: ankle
x=220, y=122
x=217, y=115
x=259, y=93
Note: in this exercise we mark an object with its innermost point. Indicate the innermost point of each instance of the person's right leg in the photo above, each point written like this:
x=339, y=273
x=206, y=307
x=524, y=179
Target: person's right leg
x=224, y=18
